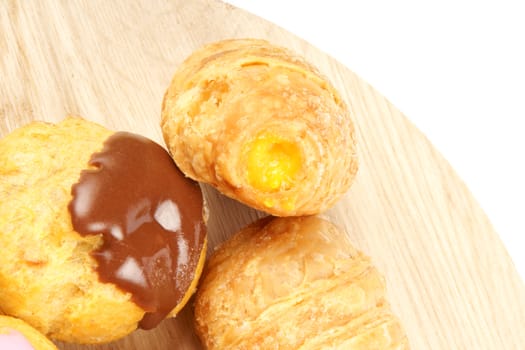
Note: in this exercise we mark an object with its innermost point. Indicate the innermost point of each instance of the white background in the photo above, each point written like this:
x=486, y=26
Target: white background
x=454, y=68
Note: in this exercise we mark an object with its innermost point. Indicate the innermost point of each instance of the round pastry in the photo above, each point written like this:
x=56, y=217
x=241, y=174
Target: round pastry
x=100, y=232
x=15, y=334
x=293, y=283
x=262, y=126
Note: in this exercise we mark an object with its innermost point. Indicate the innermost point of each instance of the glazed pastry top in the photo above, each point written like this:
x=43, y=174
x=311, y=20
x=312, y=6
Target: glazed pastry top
x=151, y=219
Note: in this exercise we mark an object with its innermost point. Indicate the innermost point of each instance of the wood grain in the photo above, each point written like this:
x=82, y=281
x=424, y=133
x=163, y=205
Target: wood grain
x=449, y=277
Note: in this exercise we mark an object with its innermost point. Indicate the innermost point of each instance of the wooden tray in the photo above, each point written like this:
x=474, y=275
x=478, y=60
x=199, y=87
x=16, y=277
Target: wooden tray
x=449, y=278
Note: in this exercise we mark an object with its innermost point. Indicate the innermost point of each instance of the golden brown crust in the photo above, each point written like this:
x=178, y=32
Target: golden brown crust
x=227, y=94
x=294, y=283
x=35, y=338
x=47, y=275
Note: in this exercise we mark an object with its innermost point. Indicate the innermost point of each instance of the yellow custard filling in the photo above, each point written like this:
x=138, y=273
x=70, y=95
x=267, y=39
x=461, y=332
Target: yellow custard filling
x=272, y=163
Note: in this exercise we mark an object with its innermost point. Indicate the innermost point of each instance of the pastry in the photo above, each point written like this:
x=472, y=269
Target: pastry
x=262, y=126
x=100, y=232
x=293, y=283
x=15, y=334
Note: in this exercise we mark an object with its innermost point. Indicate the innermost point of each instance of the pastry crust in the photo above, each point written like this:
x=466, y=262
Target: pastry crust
x=47, y=275
x=34, y=337
x=261, y=125
x=294, y=283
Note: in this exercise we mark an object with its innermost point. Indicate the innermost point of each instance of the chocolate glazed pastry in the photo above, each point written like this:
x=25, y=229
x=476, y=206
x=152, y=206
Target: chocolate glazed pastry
x=100, y=232
x=150, y=217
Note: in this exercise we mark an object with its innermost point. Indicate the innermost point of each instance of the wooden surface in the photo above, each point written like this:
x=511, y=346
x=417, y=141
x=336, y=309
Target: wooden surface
x=449, y=278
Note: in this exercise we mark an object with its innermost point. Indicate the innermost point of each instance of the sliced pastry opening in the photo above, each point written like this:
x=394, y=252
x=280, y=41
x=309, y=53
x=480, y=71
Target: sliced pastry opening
x=273, y=163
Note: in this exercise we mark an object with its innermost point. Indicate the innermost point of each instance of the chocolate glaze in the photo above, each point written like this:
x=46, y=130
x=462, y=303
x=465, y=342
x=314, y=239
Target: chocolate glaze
x=150, y=218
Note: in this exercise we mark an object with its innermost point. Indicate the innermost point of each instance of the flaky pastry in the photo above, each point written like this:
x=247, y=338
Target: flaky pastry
x=294, y=283
x=261, y=125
